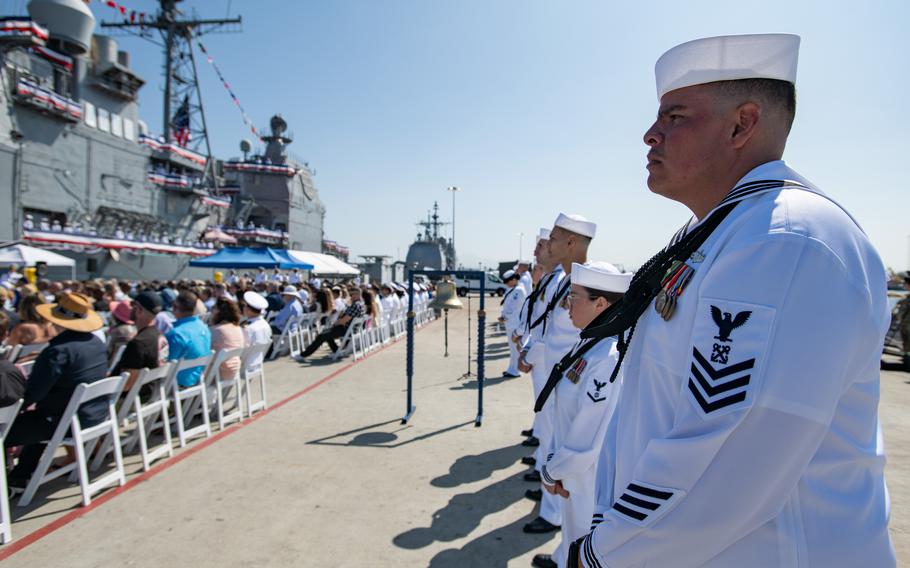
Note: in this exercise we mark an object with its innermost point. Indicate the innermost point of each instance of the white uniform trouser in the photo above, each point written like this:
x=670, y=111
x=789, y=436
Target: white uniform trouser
x=577, y=511
x=513, y=356
x=550, y=509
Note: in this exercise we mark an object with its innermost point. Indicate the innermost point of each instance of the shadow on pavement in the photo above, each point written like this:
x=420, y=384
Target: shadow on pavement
x=468, y=469
x=379, y=438
x=462, y=514
x=493, y=549
x=487, y=382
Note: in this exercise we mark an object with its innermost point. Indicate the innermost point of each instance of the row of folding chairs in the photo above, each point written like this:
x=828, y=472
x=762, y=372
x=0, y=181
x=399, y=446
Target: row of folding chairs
x=220, y=396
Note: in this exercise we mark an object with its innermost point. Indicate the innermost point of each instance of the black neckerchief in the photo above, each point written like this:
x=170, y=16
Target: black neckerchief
x=563, y=286
x=512, y=289
x=538, y=290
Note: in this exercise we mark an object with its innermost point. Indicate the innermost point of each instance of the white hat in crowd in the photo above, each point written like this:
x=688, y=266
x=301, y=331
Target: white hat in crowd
x=289, y=291
x=255, y=301
x=507, y=275
x=543, y=235
x=601, y=276
x=576, y=224
x=727, y=58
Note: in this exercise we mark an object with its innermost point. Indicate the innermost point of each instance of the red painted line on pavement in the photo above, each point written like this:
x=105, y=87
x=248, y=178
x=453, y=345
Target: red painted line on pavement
x=29, y=539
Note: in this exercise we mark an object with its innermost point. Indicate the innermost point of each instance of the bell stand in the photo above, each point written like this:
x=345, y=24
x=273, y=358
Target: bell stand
x=481, y=322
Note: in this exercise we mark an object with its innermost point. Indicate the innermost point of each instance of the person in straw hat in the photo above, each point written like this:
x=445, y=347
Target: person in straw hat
x=747, y=429
x=74, y=356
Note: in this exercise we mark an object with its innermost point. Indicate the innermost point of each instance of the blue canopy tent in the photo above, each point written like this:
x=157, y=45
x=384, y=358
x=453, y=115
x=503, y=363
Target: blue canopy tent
x=251, y=258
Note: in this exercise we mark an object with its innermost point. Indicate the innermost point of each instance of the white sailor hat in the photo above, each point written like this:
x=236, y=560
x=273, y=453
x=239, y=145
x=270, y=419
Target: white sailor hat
x=255, y=301
x=508, y=275
x=727, y=58
x=601, y=276
x=543, y=235
x=520, y=262
x=576, y=224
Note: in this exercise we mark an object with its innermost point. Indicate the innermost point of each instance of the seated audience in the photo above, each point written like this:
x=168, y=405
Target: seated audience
x=227, y=333
x=148, y=349
x=12, y=381
x=256, y=330
x=291, y=309
x=189, y=339
x=122, y=328
x=31, y=328
x=74, y=356
x=355, y=310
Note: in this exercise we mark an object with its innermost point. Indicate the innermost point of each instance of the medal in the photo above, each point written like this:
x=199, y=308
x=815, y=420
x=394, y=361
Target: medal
x=672, y=286
x=574, y=374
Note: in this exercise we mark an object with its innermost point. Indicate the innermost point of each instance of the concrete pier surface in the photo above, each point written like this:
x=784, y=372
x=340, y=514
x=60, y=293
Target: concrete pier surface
x=328, y=476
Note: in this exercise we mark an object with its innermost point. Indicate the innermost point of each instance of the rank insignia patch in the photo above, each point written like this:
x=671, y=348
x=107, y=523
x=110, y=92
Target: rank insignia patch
x=597, y=396
x=728, y=345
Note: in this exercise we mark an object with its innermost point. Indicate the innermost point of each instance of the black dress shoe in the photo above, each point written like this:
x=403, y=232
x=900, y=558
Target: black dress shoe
x=534, y=494
x=533, y=476
x=529, y=460
x=540, y=525
x=531, y=442
x=543, y=561
x=527, y=433
x=510, y=376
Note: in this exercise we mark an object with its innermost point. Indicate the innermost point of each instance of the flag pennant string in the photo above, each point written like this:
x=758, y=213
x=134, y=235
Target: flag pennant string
x=227, y=87
x=130, y=16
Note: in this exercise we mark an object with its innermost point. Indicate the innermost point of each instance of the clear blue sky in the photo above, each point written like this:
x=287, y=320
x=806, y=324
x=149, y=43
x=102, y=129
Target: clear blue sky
x=533, y=107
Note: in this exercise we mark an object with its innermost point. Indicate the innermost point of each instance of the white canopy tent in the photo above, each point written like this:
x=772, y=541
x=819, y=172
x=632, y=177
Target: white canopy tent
x=24, y=255
x=325, y=265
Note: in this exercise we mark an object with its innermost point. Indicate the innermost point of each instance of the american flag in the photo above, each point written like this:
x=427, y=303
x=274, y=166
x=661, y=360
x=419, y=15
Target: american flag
x=181, y=122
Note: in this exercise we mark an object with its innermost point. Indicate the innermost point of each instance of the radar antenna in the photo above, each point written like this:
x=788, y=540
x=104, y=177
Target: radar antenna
x=184, y=117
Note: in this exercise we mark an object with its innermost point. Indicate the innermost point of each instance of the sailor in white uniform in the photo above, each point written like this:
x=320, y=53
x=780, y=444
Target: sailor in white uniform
x=532, y=360
x=584, y=397
x=256, y=330
x=747, y=431
x=523, y=268
x=511, y=308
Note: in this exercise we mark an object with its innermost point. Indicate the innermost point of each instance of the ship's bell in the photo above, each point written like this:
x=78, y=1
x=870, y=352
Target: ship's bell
x=446, y=297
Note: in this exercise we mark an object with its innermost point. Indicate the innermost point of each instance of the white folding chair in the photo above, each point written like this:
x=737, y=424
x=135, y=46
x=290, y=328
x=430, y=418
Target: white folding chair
x=146, y=415
x=24, y=351
x=253, y=366
x=115, y=358
x=86, y=392
x=352, y=338
x=220, y=387
x=184, y=409
x=7, y=416
x=280, y=340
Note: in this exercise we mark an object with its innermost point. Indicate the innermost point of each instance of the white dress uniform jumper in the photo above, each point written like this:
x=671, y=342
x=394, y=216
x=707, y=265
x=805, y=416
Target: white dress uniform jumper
x=511, y=308
x=747, y=432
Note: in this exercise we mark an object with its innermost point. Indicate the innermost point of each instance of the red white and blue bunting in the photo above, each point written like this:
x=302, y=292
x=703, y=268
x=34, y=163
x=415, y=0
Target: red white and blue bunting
x=227, y=87
x=86, y=243
x=260, y=168
x=25, y=27
x=54, y=57
x=170, y=180
x=47, y=99
x=158, y=144
x=223, y=202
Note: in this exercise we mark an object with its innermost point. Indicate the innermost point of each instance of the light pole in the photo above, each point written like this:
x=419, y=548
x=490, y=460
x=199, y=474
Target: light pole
x=454, y=189
x=521, y=238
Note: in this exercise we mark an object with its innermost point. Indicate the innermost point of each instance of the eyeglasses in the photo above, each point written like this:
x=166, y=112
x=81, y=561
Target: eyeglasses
x=573, y=297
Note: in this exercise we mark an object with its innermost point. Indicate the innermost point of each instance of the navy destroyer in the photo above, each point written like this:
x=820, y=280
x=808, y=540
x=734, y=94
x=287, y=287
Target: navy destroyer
x=80, y=170
x=431, y=250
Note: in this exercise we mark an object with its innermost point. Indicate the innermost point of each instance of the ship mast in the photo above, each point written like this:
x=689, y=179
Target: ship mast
x=184, y=117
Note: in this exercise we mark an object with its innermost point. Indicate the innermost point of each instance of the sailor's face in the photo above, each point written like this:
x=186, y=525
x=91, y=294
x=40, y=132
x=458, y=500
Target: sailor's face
x=582, y=307
x=558, y=244
x=686, y=142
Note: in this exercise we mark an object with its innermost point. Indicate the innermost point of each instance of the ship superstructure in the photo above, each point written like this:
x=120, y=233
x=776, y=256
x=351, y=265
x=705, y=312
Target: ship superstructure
x=431, y=250
x=81, y=171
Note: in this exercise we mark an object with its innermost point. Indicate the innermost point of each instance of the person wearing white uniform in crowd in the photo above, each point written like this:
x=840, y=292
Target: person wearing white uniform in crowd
x=261, y=276
x=523, y=268
x=747, y=431
x=511, y=307
x=584, y=398
x=256, y=330
x=531, y=360
x=295, y=277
